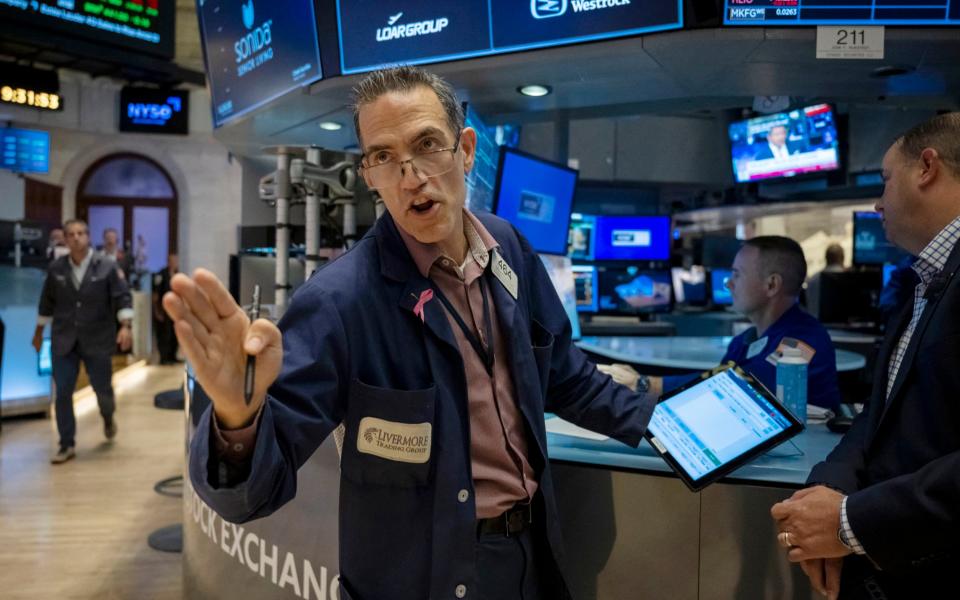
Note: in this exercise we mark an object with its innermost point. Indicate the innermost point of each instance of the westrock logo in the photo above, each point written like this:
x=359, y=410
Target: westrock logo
x=253, y=49
x=408, y=30
x=545, y=9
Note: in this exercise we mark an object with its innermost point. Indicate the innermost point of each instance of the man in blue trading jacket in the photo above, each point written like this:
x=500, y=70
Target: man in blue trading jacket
x=765, y=283
x=439, y=342
x=882, y=516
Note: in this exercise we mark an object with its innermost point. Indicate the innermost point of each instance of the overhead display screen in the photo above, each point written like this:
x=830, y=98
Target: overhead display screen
x=256, y=51
x=842, y=12
x=25, y=150
x=142, y=25
x=400, y=31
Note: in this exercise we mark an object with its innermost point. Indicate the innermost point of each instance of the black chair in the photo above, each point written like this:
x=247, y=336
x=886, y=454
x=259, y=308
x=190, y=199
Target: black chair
x=169, y=538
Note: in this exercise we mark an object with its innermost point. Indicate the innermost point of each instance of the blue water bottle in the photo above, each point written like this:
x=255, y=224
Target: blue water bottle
x=792, y=382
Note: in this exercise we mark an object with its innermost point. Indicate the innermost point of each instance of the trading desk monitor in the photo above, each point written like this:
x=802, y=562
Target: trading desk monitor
x=587, y=288
x=785, y=144
x=582, y=238
x=850, y=296
x=719, y=294
x=870, y=244
x=689, y=285
x=630, y=290
x=632, y=238
x=536, y=195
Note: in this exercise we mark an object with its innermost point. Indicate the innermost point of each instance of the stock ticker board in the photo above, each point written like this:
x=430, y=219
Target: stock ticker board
x=842, y=12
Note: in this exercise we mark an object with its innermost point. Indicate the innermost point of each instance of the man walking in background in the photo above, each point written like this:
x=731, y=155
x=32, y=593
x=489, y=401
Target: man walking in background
x=84, y=296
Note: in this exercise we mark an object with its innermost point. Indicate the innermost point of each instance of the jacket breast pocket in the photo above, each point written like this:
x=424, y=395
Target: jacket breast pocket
x=541, y=341
x=389, y=436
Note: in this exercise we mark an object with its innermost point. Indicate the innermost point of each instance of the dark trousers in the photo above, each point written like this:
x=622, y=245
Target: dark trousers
x=65, y=371
x=166, y=341
x=507, y=567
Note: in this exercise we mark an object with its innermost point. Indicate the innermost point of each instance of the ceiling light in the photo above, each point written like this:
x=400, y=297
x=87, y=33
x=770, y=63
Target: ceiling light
x=330, y=126
x=535, y=90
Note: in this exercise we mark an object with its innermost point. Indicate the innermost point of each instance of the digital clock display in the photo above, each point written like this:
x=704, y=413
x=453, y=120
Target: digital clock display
x=26, y=97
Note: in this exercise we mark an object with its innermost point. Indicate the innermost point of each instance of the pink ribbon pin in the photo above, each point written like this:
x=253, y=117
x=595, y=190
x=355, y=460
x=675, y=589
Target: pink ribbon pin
x=425, y=296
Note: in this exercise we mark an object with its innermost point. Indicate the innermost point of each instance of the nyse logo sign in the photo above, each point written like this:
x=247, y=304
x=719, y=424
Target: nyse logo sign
x=544, y=9
x=142, y=113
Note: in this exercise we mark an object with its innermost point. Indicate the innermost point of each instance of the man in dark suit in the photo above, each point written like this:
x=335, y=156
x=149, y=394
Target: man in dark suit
x=85, y=295
x=882, y=514
x=776, y=145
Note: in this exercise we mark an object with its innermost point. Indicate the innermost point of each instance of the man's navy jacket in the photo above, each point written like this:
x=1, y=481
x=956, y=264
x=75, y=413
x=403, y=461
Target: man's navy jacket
x=354, y=349
x=900, y=461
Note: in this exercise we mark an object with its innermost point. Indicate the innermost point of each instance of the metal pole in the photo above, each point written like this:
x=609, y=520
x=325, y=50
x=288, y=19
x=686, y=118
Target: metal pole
x=313, y=220
x=283, y=231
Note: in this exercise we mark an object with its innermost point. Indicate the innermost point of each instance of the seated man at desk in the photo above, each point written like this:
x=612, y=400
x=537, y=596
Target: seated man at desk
x=768, y=273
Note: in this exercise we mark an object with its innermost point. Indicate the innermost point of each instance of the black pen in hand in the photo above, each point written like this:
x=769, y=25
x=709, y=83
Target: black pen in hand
x=249, y=374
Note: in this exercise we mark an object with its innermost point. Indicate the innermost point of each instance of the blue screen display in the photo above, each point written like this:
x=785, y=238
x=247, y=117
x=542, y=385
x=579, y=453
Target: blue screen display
x=581, y=240
x=870, y=244
x=256, y=51
x=401, y=31
x=536, y=196
x=25, y=150
x=629, y=290
x=785, y=144
x=719, y=293
x=842, y=12
x=632, y=238
x=587, y=286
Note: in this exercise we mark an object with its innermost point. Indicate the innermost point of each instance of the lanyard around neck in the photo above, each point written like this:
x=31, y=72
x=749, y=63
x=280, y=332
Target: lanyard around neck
x=486, y=354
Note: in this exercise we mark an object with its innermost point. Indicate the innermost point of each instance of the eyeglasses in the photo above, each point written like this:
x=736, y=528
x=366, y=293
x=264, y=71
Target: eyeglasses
x=383, y=170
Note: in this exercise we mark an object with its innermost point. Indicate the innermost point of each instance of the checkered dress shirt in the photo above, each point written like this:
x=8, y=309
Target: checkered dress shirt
x=930, y=263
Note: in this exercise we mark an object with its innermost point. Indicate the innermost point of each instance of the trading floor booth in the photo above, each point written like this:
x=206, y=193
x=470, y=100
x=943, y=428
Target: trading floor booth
x=658, y=106
x=631, y=528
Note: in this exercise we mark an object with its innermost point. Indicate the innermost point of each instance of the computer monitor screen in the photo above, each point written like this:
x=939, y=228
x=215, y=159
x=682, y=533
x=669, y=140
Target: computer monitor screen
x=582, y=238
x=785, y=144
x=587, y=286
x=632, y=238
x=719, y=293
x=870, y=244
x=631, y=290
x=689, y=285
x=560, y=271
x=850, y=296
x=536, y=195
x=888, y=270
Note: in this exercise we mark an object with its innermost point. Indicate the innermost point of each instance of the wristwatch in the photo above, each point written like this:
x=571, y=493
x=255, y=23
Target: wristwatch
x=643, y=384
x=842, y=536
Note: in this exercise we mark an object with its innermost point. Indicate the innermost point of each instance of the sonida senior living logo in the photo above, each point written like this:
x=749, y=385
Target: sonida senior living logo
x=254, y=48
x=392, y=31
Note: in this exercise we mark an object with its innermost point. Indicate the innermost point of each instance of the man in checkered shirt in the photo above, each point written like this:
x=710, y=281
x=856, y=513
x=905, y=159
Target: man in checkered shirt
x=881, y=515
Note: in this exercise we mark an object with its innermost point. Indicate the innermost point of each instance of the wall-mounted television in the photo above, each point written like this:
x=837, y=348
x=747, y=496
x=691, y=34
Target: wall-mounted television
x=536, y=195
x=785, y=144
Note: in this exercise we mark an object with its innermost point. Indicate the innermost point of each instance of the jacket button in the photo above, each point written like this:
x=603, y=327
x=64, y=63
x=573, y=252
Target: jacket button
x=461, y=591
x=463, y=496
x=78, y=304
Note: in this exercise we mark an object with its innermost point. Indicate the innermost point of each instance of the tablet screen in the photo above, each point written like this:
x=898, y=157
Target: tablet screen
x=715, y=423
